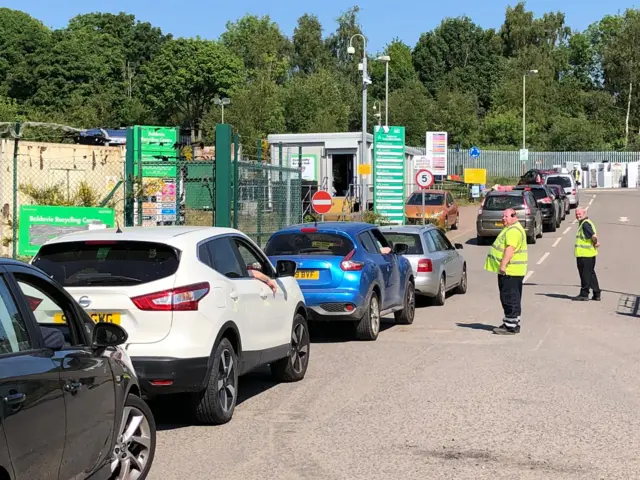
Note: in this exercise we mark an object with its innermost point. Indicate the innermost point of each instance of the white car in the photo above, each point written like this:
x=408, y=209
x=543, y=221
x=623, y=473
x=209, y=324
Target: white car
x=568, y=183
x=195, y=316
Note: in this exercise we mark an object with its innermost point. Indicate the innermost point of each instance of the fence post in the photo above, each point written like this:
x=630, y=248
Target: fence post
x=259, y=152
x=223, y=175
x=236, y=186
x=128, y=178
x=14, y=220
x=261, y=192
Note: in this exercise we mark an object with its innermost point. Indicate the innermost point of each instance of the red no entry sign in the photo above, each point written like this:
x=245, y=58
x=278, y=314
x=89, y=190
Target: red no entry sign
x=321, y=202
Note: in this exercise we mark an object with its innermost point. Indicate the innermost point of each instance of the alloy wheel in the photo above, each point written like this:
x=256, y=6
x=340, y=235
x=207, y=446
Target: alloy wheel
x=300, y=348
x=463, y=281
x=442, y=292
x=226, y=381
x=133, y=446
x=411, y=303
x=374, y=310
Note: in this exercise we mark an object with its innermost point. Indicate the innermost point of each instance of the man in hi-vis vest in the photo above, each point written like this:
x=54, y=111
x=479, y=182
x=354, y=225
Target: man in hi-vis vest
x=586, y=250
x=508, y=258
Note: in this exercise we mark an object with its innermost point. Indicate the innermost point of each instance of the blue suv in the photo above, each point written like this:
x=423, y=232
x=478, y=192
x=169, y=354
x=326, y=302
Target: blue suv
x=348, y=272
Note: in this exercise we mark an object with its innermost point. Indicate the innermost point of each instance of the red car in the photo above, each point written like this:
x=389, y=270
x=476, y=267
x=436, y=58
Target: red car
x=535, y=177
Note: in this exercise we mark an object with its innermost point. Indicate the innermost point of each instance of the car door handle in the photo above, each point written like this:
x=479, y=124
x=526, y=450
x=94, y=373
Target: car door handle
x=15, y=398
x=72, y=387
x=234, y=296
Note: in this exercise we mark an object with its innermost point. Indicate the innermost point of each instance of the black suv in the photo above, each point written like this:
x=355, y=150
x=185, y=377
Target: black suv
x=548, y=203
x=71, y=405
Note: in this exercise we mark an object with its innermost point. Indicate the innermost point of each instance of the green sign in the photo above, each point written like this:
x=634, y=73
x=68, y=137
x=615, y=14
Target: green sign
x=39, y=224
x=155, y=147
x=388, y=172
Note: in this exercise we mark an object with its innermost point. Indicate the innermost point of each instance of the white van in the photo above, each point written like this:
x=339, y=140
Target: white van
x=566, y=181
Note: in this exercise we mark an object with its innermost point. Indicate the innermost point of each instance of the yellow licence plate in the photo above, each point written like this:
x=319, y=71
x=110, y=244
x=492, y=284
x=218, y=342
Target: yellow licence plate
x=499, y=224
x=307, y=274
x=95, y=316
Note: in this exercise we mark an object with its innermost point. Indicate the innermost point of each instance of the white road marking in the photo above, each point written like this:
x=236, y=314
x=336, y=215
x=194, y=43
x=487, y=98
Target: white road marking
x=555, y=244
x=544, y=257
x=528, y=275
x=586, y=208
x=594, y=195
x=590, y=201
x=567, y=229
x=574, y=222
x=624, y=219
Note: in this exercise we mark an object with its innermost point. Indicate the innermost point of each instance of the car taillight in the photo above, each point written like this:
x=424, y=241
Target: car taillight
x=573, y=192
x=349, y=265
x=545, y=200
x=33, y=302
x=177, y=299
x=425, y=266
x=481, y=205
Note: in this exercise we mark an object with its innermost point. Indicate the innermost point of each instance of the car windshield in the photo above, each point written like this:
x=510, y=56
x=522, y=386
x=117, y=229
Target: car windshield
x=308, y=243
x=412, y=240
x=502, y=202
x=564, y=182
x=430, y=199
x=108, y=263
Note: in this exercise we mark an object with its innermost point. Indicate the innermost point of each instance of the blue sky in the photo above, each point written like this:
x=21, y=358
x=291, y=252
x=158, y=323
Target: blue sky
x=381, y=20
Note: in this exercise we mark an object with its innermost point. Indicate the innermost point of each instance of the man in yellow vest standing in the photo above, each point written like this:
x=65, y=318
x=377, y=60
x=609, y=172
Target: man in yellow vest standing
x=508, y=258
x=586, y=251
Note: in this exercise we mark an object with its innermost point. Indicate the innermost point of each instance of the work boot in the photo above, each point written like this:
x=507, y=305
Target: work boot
x=596, y=297
x=504, y=330
x=580, y=298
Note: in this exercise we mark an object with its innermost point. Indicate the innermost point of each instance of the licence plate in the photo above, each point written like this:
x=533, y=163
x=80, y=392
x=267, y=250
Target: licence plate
x=499, y=224
x=106, y=317
x=307, y=274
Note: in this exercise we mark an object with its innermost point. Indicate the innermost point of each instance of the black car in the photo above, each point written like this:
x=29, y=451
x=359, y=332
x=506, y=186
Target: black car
x=565, y=203
x=549, y=206
x=71, y=405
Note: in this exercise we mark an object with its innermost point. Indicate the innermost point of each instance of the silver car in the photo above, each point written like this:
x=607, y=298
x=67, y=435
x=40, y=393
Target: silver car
x=568, y=183
x=489, y=220
x=438, y=266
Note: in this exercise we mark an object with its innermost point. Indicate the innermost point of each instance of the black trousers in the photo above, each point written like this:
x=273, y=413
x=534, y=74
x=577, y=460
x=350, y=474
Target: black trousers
x=588, y=277
x=511, y=298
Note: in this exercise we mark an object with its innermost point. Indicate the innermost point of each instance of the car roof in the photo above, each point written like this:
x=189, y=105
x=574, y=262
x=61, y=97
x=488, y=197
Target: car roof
x=560, y=174
x=429, y=191
x=350, y=228
x=176, y=236
x=6, y=262
x=524, y=187
x=407, y=228
x=513, y=192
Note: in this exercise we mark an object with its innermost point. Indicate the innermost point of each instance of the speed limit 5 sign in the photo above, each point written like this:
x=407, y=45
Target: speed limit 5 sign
x=424, y=178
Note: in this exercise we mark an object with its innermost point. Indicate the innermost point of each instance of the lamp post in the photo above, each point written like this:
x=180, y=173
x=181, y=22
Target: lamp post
x=377, y=112
x=524, y=106
x=386, y=59
x=366, y=81
x=222, y=102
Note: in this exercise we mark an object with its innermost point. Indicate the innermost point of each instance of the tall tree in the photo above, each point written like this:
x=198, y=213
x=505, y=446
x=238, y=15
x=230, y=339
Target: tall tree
x=309, y=50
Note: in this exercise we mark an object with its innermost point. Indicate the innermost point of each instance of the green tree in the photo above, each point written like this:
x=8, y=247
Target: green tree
x=185, y=76
x=309, y=50
x=413, y=107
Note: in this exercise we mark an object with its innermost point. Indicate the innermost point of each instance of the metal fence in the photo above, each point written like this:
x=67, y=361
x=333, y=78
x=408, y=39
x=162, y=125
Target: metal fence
x=508, y=163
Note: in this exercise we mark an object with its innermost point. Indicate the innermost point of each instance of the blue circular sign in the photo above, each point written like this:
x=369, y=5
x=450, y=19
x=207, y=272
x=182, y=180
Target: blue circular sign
x=474, y=152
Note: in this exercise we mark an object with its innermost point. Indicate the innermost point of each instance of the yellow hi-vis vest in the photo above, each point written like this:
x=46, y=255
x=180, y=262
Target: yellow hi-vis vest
x=515, y=235
x=584, y=246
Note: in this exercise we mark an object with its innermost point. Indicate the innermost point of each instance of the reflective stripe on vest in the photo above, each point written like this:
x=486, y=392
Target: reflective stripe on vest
x=584, y=246
x=518, y=264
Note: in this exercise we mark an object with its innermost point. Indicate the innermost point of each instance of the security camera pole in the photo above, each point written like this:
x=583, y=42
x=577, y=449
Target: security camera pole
x=365, y=82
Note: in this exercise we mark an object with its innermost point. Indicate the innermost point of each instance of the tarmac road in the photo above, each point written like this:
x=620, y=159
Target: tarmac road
x=444, y=398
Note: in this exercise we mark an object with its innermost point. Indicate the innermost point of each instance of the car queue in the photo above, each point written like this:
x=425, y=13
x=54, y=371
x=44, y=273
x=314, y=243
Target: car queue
x=149, y=312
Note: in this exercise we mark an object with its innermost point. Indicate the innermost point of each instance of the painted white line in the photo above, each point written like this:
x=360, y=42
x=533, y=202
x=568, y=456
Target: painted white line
x=566, y=230
x=590, y=201
x=555, y=244
x=586, y=208
x=544, y=257
x=594, y=195
x=528, y=275
x=574, y=222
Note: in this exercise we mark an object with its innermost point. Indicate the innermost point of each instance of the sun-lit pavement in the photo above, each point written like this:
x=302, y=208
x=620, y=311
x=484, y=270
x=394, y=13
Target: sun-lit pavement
x=444, y=398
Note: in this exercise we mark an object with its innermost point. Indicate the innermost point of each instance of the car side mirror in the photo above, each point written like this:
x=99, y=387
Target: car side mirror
x=400, y=248
x=458, y=246
x=286, y=268
x=108, y=335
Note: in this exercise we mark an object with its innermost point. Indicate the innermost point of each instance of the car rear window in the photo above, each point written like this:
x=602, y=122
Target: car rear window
x=502, y=202
x=412, y=240
x=313, y=243
x=430, y=199
x=108, y=263
x=564, y=182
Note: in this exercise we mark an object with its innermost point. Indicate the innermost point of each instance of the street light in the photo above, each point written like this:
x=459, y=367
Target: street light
x=386, y=59
x=222, y=102
x=366, y=81
x=524, y=105
x=377, y=114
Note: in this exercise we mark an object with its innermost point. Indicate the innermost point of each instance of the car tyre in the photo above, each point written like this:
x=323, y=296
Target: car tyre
x=368, y=327
x=133, y=454
x=216, y=403
x=456, y=225
x=481, y=240
x=539, y=235
x=407, y=314
x=461, y=289
x=441, y=296
x=552, y=226
x=294, y=367
x=559, y=221
x=531, y=239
